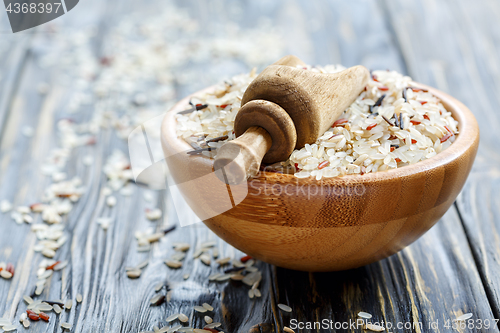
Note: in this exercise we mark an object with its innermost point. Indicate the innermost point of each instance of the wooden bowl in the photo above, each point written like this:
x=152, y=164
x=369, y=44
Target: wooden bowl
x=332, y=224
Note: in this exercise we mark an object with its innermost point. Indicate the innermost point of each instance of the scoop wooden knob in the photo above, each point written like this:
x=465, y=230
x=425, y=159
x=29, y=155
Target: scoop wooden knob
x=284, y=108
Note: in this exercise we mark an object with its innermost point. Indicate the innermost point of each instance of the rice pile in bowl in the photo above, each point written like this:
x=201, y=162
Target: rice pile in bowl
x=391, y=124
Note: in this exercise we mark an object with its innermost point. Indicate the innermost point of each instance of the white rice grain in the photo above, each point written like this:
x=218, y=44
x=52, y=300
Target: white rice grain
x=284, y=307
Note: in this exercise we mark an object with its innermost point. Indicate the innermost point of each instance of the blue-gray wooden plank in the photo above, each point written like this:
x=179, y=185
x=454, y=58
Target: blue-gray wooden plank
x=454, y=45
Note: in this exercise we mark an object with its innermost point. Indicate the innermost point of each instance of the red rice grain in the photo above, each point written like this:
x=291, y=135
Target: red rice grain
x=323, y=164
x=339, y=122
x=43, y=316
x=445, y=137
x=51, y=267
x=245, y=259
x=10, y=268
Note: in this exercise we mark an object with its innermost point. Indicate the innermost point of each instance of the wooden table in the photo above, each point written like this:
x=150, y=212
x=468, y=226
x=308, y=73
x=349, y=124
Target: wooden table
x=452, y=270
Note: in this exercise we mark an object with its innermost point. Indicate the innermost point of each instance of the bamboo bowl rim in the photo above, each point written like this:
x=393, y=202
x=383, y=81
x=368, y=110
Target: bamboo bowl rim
x=465, y=140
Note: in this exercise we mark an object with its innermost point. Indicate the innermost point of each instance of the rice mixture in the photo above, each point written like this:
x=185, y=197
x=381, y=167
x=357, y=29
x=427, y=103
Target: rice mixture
x=390, y=125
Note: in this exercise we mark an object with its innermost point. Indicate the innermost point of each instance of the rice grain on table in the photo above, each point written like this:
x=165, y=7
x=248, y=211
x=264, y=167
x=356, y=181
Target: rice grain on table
x=464, y=317
x=374, y=327
x=134, y=274
x=172, y=317
x=153, y=214
x=57, y=309
x=6, y=274
x=362, y=140
x=182, y=247
x=223, y=261
x=205, y=258
x=208, y=306
x=183, y=318
x=159, y=286
x=200, y=309
x=158, y=300
x=173, y=263
x=5, y=206
x=364, y=315
x=28, y=299
x=44, y=307
x=66, y=326
x=284, y=307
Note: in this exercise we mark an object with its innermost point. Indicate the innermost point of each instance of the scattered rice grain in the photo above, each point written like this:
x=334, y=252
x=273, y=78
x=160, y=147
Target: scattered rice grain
x=374, y=327
x=207, y=306
x=200, y=309
x=464, y=317
x=66, y=326
x=172, y=317
x=364, y=315
x=173, y=263
x=183, y=318
x=284, y=307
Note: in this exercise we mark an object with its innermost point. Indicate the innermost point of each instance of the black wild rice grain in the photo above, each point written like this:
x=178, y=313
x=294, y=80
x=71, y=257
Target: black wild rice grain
x=220, y=138
x=234, y=269
x=379, y=101
x=395, y=146
x=396, y=120
x=401, y=125
x=167, y=230
x=194, y=108
x=188, y=110
x=404, y=95
x=387, y=120
x=54, y=302
x=194, y=145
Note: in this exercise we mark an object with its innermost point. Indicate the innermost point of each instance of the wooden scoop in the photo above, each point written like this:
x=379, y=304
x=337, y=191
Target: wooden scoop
x=284, y=108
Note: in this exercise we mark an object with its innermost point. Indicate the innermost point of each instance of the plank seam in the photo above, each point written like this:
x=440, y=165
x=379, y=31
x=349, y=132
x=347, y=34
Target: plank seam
x=477, y=261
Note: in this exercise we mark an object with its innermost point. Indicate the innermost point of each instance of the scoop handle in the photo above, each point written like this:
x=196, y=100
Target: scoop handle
x=240, y=158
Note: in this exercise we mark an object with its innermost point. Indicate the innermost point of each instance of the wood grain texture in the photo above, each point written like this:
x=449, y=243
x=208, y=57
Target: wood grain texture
x=462, y=61
x=295, y=107
x=313, y=100
x=434, y=278
x=328, y=225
